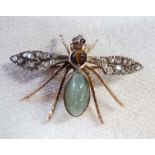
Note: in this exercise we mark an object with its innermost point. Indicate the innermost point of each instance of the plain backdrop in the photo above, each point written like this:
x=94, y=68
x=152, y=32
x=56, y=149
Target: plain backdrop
x=127, y=36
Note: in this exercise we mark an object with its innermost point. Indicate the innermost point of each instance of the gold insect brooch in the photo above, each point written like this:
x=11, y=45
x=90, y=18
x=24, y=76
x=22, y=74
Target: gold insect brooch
x=77, y=79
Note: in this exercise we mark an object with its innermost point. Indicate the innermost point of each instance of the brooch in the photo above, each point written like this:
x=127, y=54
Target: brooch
x=77, y=66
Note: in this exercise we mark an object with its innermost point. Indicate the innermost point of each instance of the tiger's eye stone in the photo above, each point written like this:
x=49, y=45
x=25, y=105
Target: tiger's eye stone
x=83, y=58
x=76, y=94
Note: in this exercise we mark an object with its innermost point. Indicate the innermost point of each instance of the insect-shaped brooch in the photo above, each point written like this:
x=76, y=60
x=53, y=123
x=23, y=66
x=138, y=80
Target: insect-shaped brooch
x=77, y=79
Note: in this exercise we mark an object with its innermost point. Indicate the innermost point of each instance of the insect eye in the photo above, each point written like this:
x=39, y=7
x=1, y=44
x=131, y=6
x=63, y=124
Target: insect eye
x=82, y=41
x=74, y=40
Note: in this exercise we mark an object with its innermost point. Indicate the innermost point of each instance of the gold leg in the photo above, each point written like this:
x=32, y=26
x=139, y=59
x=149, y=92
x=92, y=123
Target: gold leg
x=106, y=86
x=44, y=83
x=96, y=67
x=94, y=97
x=64, y=43
x=50, y=114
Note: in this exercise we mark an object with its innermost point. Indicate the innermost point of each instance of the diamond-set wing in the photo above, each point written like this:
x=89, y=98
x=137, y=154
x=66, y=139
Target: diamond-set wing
x=37, y=60
x=116, y=65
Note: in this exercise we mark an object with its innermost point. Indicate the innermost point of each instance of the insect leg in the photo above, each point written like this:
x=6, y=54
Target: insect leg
x=106, y=86
x=94, y=97
x=99, y=67
x=96, y=67
x=64, y=43
x=45, y=82
x=89, y=48
x=50, y=114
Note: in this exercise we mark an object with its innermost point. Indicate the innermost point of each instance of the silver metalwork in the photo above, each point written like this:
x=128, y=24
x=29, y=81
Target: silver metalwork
x=37, y=60
x=116, y=65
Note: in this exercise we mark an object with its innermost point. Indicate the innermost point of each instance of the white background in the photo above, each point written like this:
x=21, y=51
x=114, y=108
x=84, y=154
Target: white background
x=68, y=7
x=128, y=36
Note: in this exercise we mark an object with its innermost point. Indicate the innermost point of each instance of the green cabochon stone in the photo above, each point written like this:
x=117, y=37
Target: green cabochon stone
x=76, y=94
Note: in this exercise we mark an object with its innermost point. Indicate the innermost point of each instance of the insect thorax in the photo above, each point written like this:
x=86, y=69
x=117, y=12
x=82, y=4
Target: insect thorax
x=78, y=58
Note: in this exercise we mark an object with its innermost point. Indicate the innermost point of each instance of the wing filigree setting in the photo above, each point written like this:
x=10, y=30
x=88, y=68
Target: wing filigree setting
x=116, y=65
x=37, y=60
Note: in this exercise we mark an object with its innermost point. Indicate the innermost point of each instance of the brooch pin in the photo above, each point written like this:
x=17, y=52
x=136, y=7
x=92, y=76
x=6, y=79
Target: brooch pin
x=76, y=80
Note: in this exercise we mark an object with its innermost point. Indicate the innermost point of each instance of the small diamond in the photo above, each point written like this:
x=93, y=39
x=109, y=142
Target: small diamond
x=105, y=66
x=123, y=71
x=138, y=67
x=111, y=60
x=20, y=61
x=103, y=60
x=45, y=56
x=130, y=62
x=125, y=61
x=25, y=54
x=38, y=53
x=110, y=70
x=30, y=56
x=118, y=60
x=118, y=67
x=14, y=58
x=46, y=64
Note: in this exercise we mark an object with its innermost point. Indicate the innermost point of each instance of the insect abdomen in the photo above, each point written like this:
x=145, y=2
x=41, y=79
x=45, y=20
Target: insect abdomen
x=76, y=94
